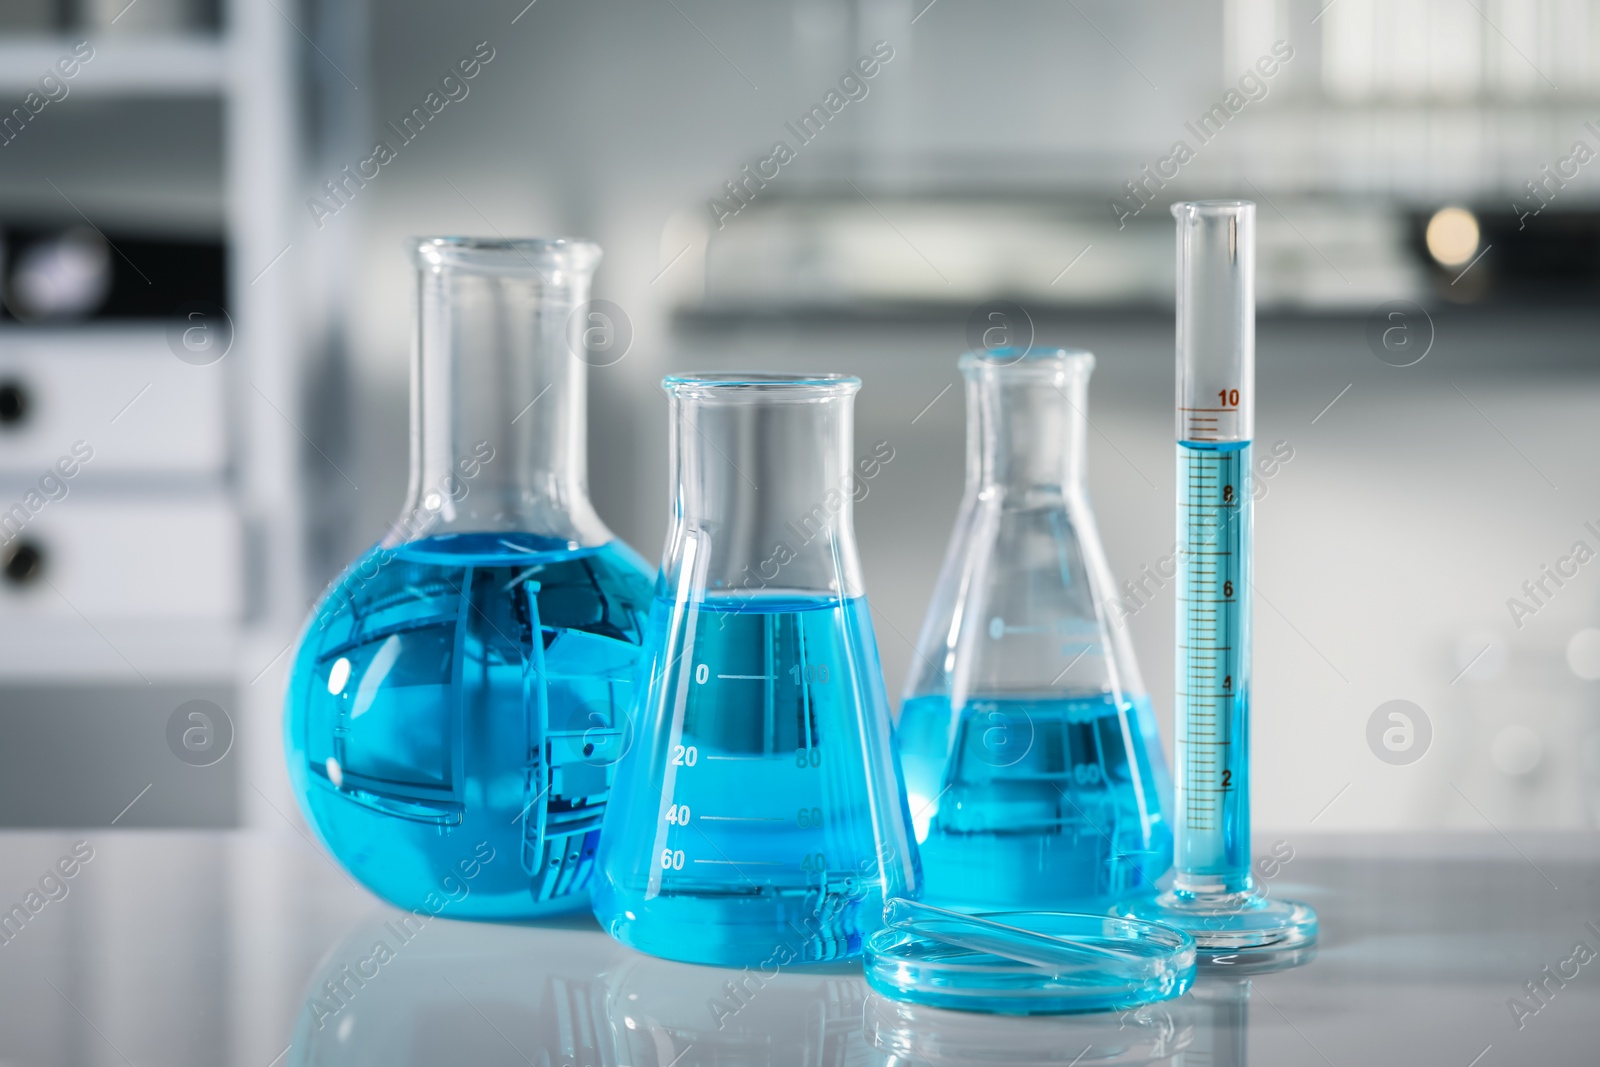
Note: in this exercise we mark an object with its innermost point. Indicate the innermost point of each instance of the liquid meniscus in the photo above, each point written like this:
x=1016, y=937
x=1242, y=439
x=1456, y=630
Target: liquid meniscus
x=454, y=713
x=749, y=831
x=1033, y=802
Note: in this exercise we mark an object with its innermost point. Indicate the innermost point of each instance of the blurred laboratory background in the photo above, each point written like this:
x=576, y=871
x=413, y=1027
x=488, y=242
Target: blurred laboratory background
x=207, y=315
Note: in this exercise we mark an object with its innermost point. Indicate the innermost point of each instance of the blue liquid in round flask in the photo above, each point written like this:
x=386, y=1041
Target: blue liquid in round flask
x=459, y=696
x=1031, y=755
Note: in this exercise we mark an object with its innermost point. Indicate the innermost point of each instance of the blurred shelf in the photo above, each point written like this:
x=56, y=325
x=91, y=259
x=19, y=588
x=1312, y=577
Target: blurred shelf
x=137, y=652
x=150, y=66
x=827, y=253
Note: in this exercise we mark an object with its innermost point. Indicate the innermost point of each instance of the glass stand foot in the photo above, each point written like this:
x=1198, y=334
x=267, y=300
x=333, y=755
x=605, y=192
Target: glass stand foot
x=1250, y=926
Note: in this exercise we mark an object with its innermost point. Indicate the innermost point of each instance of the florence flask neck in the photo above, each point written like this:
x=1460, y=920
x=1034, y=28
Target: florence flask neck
x=499, y=391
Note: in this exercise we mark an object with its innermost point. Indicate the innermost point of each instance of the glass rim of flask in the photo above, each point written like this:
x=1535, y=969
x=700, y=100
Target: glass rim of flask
x=1184, y=208
x=736, y=385
x=505, y=254
x=1030, y=360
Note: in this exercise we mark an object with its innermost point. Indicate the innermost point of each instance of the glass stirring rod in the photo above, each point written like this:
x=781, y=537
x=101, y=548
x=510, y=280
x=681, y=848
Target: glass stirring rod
x=987, y=933
x=1213, y=896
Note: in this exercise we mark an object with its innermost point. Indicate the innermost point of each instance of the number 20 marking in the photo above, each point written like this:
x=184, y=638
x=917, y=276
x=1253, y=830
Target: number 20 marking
x=685, y=757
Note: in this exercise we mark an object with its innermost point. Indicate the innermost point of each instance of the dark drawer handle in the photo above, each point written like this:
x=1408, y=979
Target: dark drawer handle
x=24, y=563
x=14, y=402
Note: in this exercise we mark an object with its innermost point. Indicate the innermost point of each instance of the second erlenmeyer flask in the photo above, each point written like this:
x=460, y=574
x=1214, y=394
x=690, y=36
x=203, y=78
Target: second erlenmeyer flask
x=1031, y=756
x=758, y=815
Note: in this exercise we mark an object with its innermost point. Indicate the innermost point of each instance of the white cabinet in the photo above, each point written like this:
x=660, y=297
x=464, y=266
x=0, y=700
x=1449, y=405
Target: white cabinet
x=122, y=393
x=128, y=557
x=173, y=557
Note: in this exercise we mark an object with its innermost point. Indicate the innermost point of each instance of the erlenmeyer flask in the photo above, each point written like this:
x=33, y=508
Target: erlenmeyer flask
x=455, y=708
x=758, y=816
x=1031, y=755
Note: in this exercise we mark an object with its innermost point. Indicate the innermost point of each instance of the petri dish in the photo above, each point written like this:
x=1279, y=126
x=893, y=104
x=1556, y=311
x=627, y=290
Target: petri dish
x=1027, y=962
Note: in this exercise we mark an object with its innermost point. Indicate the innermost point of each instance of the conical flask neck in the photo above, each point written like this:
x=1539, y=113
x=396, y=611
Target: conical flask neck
x=498, y=391
x=1026, y=423
x=1021, y=609
x=763, y=486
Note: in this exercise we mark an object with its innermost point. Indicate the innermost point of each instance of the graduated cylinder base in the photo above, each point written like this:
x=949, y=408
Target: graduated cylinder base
x=1247, y=923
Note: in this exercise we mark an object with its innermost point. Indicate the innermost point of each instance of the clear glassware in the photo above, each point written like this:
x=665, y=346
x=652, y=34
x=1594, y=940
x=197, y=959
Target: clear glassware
x=1213, y=895
x=1031, y=755
x=458, y=696
x=758, y=816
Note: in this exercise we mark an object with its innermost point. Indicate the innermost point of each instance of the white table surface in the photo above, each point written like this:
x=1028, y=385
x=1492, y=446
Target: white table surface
x=177, y=948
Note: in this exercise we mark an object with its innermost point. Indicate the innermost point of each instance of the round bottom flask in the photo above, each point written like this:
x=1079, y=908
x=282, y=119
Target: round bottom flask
x=460, y=696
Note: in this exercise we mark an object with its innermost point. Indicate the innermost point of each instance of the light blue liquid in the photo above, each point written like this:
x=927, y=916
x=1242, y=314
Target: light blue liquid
x=454, y=713
x=758, y=816
x=1212, y=671
x=1034, y=803
x=1212, y=896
